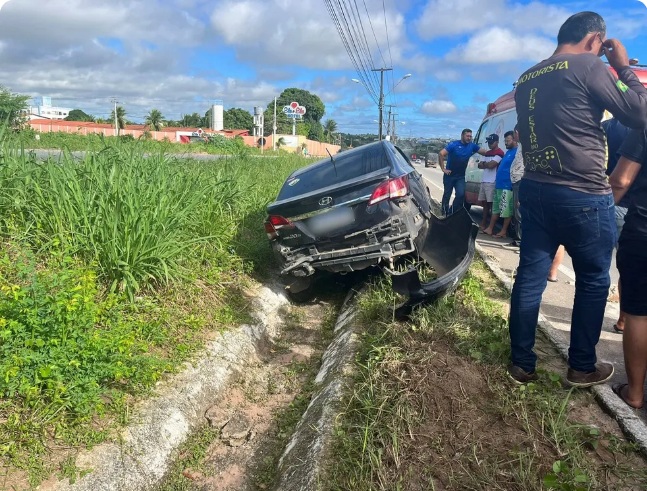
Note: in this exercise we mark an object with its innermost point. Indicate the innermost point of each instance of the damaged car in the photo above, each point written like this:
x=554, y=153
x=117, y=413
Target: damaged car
x=363, y=207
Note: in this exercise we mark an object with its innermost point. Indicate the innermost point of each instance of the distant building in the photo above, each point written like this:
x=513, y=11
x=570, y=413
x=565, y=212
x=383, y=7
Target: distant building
x=43, y=109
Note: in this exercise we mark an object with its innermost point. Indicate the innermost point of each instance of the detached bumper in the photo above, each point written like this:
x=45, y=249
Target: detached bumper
x=448, y=246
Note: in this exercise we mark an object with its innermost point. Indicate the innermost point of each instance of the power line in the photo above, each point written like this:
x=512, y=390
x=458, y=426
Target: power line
x=350, y=44
x=374, y=35
x=388, y=44
x=365, y=66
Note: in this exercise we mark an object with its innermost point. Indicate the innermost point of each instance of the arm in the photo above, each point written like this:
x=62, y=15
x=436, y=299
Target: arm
x=482, y=151
x=626, y=99
x=493, y=164
x=441, y=161
x=623, y=177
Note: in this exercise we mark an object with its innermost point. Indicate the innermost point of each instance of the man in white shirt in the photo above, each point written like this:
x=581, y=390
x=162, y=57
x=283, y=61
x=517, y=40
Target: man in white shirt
x=489, y=164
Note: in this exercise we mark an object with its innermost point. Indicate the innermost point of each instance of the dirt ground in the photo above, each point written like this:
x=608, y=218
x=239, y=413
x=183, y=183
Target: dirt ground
x=471, y=436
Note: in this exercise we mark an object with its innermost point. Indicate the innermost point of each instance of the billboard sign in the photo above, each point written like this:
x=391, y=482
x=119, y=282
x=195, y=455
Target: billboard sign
x=294, y=110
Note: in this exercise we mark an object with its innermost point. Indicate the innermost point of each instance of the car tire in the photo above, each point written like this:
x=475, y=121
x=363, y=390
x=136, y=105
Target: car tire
x=300, y=297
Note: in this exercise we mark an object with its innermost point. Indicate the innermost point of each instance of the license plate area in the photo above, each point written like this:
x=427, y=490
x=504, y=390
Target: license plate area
x=332, y=220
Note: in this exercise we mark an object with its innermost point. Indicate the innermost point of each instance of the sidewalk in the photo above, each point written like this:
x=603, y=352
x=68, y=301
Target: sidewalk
x=555, y=315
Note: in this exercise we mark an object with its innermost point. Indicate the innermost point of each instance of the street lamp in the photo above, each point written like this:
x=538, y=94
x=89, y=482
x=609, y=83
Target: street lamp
x=381, y=100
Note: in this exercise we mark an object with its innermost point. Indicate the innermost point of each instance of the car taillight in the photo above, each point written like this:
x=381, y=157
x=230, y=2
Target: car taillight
x=273, y=223
x=393, y=188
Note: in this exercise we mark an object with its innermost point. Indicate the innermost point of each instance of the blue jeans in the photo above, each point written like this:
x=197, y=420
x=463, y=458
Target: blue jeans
x=451, y=183
x=585, y=224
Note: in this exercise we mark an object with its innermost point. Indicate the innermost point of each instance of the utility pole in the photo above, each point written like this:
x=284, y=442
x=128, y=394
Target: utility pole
x=114, y=101
x=274, y=127
x=394, y=127
x=389, y=127
x=381, y=102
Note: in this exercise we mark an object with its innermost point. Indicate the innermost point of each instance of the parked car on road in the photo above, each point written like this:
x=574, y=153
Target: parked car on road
x=361, y=208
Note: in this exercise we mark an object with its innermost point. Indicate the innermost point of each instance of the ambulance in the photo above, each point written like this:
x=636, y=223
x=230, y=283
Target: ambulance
x=501, y=117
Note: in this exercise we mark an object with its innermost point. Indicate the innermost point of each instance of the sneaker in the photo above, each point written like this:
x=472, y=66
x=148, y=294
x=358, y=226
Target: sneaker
x=519, y=376
x=512, y=245
x=602, y=373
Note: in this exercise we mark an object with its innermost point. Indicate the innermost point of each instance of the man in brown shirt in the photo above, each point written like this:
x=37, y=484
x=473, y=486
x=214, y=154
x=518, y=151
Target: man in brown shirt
x=564, y=194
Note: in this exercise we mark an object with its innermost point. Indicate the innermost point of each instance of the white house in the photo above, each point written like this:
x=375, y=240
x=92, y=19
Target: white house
x=43, y=109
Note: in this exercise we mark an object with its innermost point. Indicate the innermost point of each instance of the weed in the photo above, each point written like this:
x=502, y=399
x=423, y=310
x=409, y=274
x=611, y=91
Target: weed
x=68, y=470
x=190, y=456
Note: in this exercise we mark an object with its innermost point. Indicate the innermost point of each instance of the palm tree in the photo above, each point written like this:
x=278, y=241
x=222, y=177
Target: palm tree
x=155, y=119
x=121, y=118
x=330, y=126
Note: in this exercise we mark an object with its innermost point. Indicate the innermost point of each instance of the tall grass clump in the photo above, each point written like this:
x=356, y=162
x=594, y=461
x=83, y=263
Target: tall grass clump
x=131, y=215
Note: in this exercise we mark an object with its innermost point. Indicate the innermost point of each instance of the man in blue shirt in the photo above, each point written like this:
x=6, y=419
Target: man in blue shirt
x=458, y=153
x=503, y=204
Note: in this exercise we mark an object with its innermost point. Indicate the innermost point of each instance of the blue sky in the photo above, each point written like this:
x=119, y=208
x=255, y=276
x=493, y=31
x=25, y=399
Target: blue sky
x=179, y=56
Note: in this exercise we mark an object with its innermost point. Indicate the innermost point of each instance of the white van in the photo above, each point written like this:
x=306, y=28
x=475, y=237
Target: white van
x=501, y=117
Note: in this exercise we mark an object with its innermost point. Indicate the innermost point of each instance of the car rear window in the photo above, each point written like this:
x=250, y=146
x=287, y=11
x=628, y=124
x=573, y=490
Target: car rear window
x=346, y=167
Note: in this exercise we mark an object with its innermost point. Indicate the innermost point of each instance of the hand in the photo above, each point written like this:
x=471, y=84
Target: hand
x=447, y=171
x=616, y=53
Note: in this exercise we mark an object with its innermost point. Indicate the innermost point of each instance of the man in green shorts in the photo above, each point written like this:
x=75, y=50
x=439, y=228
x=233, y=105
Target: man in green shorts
x=503, y=204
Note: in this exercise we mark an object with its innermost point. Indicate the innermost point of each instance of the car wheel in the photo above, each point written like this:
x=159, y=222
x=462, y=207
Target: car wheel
x=300, y=290
x=302, y=296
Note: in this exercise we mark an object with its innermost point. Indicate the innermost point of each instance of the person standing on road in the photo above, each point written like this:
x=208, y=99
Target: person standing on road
x=564, y=194
x=458, y=153
x=616, y=133
x=503, y=205
x=489, y=164
x=516, y=173
x=631, y=260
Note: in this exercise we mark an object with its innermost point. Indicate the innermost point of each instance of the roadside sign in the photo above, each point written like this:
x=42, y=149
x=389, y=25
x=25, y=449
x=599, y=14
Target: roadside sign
x=294, y=110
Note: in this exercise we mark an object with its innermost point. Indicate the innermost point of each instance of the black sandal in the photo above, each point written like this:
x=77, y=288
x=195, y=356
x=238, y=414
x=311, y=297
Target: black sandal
x=617, y=390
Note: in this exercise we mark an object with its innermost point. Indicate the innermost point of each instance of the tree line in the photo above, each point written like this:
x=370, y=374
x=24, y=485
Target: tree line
x=13, y=109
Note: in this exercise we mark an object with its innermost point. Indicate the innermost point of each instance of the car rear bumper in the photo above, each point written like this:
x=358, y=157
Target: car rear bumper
x=383, y=242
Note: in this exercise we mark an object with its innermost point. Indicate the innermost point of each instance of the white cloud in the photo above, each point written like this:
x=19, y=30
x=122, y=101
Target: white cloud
x=441, y=18
x=301, y=32
x=439, y=107
x=501, y=45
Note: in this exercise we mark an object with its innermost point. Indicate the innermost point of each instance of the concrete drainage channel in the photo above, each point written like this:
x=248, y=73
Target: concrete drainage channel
x=185, y=403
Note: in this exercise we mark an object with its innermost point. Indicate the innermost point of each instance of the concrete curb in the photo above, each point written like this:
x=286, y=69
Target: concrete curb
x=631, y=424
x=300, y=465
x=163, y=423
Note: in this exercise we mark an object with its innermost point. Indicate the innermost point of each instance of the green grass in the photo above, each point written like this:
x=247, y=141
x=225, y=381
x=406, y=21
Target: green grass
x=388, y=436
x=113, y=269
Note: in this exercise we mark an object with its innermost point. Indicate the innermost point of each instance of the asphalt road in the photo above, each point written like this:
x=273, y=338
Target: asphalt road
x=557, y=300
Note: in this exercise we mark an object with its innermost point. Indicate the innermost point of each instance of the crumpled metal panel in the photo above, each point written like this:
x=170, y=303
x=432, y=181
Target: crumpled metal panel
x=448, y=246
